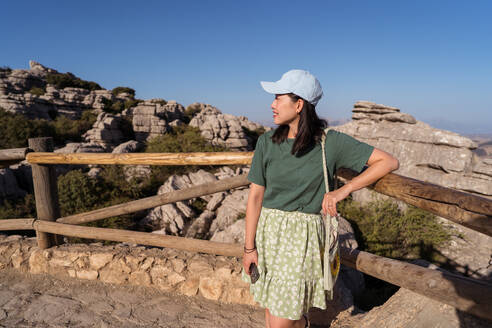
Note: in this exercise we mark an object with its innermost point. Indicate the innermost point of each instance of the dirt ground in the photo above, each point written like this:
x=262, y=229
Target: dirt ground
x=28, y=300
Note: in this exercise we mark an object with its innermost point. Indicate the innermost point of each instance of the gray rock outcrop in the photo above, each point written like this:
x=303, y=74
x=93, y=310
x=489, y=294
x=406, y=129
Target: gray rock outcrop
x=425, y=153
x=131, y=146
x=408, y=309
x=437, y=156
x=15, y=96
x=106, y=131
x=224, y=129
x=156, y=117
x=222, y=209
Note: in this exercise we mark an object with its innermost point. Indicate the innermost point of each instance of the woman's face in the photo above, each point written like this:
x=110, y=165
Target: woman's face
x=284, y=110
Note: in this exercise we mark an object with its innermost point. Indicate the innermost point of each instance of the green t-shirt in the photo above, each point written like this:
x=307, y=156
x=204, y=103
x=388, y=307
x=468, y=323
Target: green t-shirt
x=296, y=183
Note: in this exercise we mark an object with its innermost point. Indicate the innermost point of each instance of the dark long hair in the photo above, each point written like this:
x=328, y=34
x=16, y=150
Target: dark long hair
x=309, y=131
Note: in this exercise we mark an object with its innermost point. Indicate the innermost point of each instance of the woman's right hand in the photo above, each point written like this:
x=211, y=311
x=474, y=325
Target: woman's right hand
x=249, y=258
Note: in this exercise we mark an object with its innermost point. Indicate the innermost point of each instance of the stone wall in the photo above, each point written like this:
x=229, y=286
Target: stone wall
x=213, y=277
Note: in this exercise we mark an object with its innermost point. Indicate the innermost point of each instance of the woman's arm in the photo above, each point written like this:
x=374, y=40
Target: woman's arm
x=253, y=209
x=380, y=163
x=255, y=200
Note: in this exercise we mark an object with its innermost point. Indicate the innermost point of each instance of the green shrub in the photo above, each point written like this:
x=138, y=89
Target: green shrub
x=254, y=134
x=37, y=91
x=18, y=208
x=191, y=111
x=16, y=129
x=5, y=69
x=382, y=229
x=181, y=139
x=66, y=80
x=72, y=130
x=131, y=103
x=77, y=193
x=112, y=107
x=116, y=91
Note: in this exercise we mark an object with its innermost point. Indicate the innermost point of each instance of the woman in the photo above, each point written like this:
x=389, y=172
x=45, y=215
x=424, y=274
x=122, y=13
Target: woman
x=284, y=228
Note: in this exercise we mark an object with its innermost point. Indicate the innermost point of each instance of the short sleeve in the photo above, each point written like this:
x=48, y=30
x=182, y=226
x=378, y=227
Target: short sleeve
x=257, y=171
x=352, y=153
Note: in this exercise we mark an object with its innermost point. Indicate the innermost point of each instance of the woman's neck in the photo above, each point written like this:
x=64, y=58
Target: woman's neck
x=293, y=128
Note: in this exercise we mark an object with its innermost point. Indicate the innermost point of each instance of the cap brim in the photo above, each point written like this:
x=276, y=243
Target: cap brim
x=273, y=88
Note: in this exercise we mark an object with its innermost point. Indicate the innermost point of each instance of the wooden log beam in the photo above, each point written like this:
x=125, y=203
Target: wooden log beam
x=14, y=154
x=142, y=238
x=469, y=295
x=150, y=202
x=469, y=210
x=45, y=191
x=217, y=158
x=16, y=224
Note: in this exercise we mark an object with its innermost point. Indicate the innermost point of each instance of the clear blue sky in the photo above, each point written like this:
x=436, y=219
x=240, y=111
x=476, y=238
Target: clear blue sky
x=432, y=59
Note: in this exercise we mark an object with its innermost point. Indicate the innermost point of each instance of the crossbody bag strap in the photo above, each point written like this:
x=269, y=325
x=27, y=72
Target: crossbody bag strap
x=325, y=170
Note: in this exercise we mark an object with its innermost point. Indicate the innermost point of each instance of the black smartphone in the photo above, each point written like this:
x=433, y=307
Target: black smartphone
x=253, y=273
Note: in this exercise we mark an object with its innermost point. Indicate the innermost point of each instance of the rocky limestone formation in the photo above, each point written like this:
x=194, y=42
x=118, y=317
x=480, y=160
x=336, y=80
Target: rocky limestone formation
x=407, y=309
x=106, y=131
x=156, y=117
x=224, y=129
x=180, y=218
x=425, y=153
x=437, y=156
x=71, y=102
x=80, y=147
x=131, y=146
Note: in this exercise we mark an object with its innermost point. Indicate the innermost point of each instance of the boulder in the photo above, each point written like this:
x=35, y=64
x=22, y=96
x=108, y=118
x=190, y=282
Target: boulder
x=131, y=146
x=105, y=131
x=156, y=117
x=224, y=129
x=425, y=153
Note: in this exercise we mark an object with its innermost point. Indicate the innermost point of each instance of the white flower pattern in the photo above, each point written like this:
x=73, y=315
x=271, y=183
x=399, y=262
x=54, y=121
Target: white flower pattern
x=289, y=263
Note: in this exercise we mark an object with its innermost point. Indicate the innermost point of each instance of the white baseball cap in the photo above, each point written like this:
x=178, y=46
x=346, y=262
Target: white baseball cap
x=298, y=82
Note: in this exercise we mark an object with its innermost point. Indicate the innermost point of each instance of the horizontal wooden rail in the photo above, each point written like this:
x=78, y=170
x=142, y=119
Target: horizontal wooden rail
x=465, y=294
x=14, y=154
x=469, y=210
x=218, y=158
x=142, y=238
x=16, y=224
x=150, y=202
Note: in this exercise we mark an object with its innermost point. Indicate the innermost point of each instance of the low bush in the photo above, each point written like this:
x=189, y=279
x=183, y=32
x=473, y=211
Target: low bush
x=18, y=208
x=254, y=134
x=116, y=91
x=112, y=107
x=132, y=103
x=16, y=129
x=72, y=130
x=383, y=229
x=182, y=139
x=37, y=91
x=68, y=80
x=5, y=69
x=191, y=111
x=19, y=128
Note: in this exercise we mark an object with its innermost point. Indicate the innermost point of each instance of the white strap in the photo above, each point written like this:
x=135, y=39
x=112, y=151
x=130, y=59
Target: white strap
x=325, y=173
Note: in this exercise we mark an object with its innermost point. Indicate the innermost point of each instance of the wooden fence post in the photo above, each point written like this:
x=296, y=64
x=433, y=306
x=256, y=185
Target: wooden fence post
x=45, y=192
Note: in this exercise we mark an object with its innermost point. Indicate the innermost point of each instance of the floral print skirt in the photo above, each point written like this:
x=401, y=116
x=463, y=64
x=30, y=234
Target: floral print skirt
x=289, y=248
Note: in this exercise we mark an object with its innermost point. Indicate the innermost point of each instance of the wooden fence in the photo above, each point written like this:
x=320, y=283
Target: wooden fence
x=466, y=294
